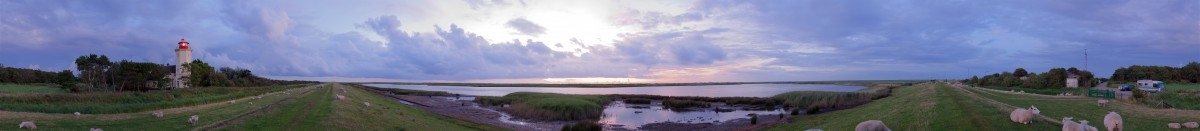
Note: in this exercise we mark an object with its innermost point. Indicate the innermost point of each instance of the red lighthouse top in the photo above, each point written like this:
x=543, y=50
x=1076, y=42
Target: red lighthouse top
x=183, y=44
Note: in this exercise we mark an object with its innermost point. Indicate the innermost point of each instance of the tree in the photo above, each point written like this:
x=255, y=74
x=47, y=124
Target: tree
x=92, y=69
x=1191, y=72
x=1020, y=72
x=66, y=80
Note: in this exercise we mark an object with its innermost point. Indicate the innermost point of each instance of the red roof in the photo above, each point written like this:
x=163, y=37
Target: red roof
x=183, y=44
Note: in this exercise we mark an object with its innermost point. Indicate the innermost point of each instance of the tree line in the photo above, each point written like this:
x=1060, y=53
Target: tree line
x=1189, y=73
x=1054, y=78
x=97, y=72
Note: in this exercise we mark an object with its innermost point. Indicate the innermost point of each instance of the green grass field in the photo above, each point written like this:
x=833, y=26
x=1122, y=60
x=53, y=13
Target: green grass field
x=1189, y=86
x=296, y=111
x=20, y=88
x=126, y=102
x=941, y=107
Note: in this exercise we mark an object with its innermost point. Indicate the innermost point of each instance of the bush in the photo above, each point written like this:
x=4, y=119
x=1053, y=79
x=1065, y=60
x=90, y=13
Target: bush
x=582, y=126
x=753, y=119
x=795, y=111
x=1138, y=93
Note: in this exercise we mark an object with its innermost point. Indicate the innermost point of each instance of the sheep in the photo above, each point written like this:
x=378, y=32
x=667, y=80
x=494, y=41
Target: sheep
x=232, y=101
x=77, y=114
x=1083, y=124
x=340, y=97
x=366, y=103
x=96, y=129
x=28, y=125
x=157, y=114
x=1173, y=125
x=1024, y=116
x=1101, y=102
x=194, y=119
x=1069, y=125
x=1113, y=122
x=1022, y=91
x=1192, y=125
x=871, y=125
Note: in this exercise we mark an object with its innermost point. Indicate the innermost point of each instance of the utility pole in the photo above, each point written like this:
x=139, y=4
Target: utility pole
x=1085, y=59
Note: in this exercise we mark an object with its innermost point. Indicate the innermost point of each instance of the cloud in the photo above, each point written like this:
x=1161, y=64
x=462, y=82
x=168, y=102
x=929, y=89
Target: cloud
x=526, y=27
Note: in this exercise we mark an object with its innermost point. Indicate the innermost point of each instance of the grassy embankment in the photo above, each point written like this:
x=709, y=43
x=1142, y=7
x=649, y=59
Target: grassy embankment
x=296, y=110
x=815, y=101
x=941, y=107
x=125, y=102
x=174, y=118
x=321, y=111
x=28, y=88
x=549, y=106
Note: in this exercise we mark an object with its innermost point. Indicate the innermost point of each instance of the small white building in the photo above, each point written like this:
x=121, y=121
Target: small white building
x=1072, y=81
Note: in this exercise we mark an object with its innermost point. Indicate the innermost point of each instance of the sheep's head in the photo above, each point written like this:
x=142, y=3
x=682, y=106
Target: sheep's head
x=1066, y=119
x=1034, y=110
x=1083, y=122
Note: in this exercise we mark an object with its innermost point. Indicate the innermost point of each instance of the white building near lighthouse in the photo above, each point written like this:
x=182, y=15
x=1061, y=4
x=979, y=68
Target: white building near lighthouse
x=183, y=55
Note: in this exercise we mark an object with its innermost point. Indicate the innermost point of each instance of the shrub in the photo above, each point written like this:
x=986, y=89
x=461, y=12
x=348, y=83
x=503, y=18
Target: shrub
x=582, y=126
x=753, y=119
x=549, y=106
x=795, y=111
x=1138, y=93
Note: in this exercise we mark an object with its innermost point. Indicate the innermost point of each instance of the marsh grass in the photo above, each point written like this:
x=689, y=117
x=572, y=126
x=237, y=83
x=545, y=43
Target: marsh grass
x=126, y=102
x=405, y=91
x=637, y=101
x=684, y=103
x=549, y=106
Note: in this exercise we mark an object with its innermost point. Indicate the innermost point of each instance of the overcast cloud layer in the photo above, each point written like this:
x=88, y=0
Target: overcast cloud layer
x=670, y=41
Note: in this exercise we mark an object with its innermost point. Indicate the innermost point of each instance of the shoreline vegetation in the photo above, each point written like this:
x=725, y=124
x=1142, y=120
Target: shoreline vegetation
x=617, y=85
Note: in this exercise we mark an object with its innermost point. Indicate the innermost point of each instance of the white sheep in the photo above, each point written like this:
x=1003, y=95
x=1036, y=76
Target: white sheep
x=28, y=125
x=1069, y=125
x=1022, y=91
x=77, y=114
x=232, y=101
x=1113, y=122
x=1083, y=124
x=340, y=97
x=1192, y=125
x=1101, y=102
x=871, y=125
x=194, y=119
x=1173, y=125
x=1024, y=116
x=157, y=114
x=96, y=129
x=366, y=103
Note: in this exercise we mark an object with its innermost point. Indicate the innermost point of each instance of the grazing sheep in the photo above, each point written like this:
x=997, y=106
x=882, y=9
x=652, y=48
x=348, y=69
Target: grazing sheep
x=28, y=125
x=1113, y=122
x=157, y=114
x=1192, y=125
x=1024, y=116
x=871, y=125
x=1022, y=91
x=340, y=97
x=366, y=103
x=1173, y=125
x=1101, y=102
x=96, y=129
x=194, y=119
x=232, y=101
x=1069, y=125
x=1083, y=124
x=77, y=114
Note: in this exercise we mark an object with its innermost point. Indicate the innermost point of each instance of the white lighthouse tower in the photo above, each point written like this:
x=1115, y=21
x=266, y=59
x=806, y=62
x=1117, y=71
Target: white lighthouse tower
x=183, y=55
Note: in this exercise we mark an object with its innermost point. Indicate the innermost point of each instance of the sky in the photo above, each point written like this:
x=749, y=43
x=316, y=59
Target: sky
x=609, y=41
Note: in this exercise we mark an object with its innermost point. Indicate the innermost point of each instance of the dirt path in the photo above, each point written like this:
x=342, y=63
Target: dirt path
x=242, y=117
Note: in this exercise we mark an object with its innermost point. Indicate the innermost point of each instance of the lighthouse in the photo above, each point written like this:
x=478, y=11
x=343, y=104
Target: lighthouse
x=183, y=55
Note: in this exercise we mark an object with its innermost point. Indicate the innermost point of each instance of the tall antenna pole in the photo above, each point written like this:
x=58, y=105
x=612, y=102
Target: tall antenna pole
x=1085, y=59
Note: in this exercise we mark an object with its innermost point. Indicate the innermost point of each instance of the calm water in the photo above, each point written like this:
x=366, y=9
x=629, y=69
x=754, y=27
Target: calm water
x=619, y=113
x=747, y=90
